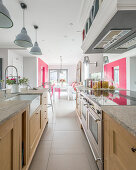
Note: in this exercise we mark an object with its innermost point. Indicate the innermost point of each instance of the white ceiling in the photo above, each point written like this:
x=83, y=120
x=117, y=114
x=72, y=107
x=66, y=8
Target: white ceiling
x=56, y=35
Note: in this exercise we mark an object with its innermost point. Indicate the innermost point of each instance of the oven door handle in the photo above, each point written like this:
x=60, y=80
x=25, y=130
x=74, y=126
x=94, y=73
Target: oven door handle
x=96, y=119
x=97, y=159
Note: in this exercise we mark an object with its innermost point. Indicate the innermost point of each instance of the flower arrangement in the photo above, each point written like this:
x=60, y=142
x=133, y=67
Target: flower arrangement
x=23, y=81
x=11, y=81
x=62, y=80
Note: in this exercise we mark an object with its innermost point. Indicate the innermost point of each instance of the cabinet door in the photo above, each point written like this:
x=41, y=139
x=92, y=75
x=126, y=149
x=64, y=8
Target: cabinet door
x=35, y=129
x=106, y=141
x=121, y=143
x=44, y=109
x=9, y=145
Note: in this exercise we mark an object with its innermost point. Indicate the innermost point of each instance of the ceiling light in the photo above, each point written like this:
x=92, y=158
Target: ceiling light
x=5, y=19
x=35, y=50
x=71, y=24
x=22, y=39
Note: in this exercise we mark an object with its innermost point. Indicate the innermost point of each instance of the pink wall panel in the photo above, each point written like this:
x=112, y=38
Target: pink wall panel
x=109, y=72
x=42, y=67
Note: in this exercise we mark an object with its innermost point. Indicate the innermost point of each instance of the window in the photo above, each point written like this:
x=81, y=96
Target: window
x=56, y=74
x=116, y=75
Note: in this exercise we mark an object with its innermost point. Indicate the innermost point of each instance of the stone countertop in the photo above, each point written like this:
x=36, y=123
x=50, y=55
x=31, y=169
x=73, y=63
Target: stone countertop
x=39, y=91
x=9, y=109
x=124, y=115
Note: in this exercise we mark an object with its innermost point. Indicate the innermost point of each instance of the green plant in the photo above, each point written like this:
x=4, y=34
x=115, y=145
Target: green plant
x=23, y=81
x=11, y=81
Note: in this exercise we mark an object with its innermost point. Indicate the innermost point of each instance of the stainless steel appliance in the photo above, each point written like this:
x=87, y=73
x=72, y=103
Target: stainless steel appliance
x=84, y=116
x=0, y=72
x=91, y=119
x=94, y=132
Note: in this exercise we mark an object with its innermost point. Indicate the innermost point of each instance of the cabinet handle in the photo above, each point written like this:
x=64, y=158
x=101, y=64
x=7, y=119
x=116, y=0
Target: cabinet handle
x=0, y=138
x=133, y=149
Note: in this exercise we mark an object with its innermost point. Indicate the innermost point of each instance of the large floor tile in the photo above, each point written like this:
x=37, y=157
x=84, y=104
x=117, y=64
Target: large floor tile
x=66, y=124
x=48, y=132
x=51, y=116
x=68, y=162
x=67, y=142
x=40, y=159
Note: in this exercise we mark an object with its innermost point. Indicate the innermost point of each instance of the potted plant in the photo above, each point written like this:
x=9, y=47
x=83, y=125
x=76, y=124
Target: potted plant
x=23, y=82
x=13, y=83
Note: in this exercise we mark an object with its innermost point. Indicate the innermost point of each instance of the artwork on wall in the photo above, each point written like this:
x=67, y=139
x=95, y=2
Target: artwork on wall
x=79, y=72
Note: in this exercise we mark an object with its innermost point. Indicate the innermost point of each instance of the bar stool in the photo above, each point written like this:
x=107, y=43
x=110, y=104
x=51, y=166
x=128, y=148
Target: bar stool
x=50, y=93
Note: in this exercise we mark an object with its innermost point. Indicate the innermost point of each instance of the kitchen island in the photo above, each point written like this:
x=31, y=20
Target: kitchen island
x=21, y=131
x=109, y=121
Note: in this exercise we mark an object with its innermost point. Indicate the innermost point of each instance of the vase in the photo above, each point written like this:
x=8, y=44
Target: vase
x=15, y=88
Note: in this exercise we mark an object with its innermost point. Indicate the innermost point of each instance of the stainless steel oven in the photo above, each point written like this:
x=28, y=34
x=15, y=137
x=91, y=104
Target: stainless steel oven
x=94, y=132
x=84, y=115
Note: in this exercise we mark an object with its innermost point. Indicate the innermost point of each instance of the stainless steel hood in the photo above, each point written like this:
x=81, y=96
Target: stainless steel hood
x=118, y=36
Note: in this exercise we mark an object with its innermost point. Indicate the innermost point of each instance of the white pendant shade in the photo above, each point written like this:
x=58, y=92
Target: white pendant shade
x=5, y=19
x=23, y=40
x=35, y=50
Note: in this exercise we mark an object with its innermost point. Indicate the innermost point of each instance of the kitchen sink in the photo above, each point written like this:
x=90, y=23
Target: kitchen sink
x=35, y=101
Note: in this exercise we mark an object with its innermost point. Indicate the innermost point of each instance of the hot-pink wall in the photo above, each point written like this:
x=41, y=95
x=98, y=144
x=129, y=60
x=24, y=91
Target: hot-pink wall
x=109, y=75
x=42, y=66
x=109, y=72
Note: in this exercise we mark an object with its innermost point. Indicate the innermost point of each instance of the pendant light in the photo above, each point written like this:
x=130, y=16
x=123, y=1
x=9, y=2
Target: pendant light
x=22, y=39
x=5, y=19
x=35, y=50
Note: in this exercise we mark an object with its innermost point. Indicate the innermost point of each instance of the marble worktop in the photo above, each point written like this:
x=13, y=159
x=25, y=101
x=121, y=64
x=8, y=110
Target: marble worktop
x=125, y=115
x=10, y=108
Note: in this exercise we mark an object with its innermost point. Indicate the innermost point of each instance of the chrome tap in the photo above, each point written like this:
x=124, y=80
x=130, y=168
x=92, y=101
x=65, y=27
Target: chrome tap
x=6, y=73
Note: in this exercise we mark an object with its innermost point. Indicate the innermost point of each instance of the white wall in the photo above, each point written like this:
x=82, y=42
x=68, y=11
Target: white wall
x=30, y=70
x=17, y=61
x=4, y=56
x=133, y=73
x=92, y=67
x=71, y=71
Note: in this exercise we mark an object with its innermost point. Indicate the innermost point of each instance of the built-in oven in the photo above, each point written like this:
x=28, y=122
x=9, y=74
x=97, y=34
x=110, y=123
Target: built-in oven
x=84, y=115
x=94, y=132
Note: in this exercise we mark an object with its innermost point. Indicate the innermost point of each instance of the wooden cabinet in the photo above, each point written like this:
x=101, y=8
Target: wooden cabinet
x=34, y=129
x=78, y=104
x=118, y=144
x=44, y=109
x=9, y=145
x=20, y=135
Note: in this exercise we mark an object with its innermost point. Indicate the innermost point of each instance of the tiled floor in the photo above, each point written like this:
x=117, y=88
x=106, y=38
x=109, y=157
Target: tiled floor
x=63, y=145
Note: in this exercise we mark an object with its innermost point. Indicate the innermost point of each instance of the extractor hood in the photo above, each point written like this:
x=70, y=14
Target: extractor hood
x=113, y=31
x=110, y=38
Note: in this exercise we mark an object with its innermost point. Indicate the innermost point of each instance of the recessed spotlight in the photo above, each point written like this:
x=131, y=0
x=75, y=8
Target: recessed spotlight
x=73, y=39
x=65, y=36
x=71, y=24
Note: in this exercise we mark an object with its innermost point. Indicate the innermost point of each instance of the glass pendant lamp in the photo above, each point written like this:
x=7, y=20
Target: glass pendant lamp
x=35, y=50
x=22, y=39
x=5, y=19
